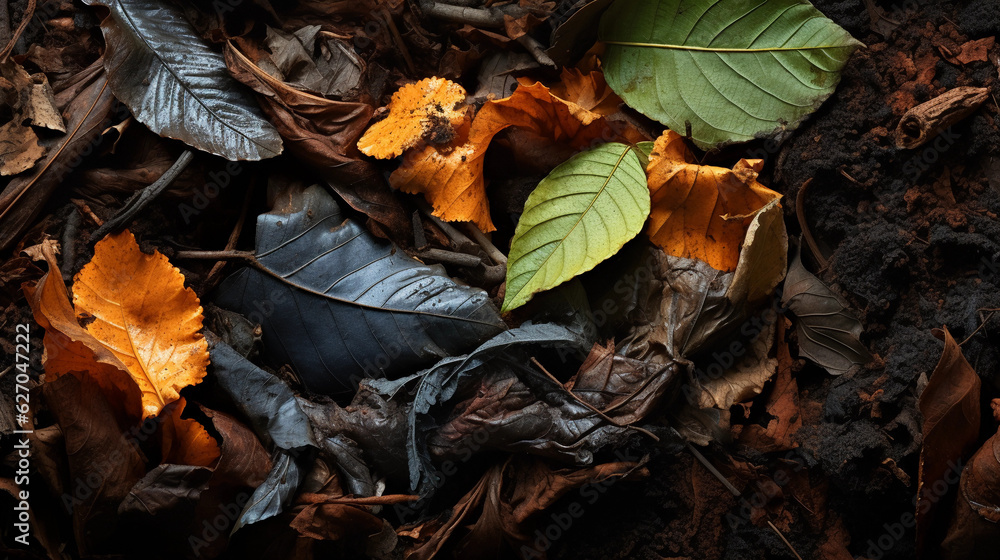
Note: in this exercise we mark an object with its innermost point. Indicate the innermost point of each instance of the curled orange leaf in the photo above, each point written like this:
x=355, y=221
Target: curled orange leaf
x=136, y=305
x=450, y=176
x=699, y=211
x=427, y=110
x=184, y=441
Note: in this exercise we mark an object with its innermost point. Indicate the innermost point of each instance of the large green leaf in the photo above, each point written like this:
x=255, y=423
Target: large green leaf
x=177, y=86
x=733, y=69
x=581, y=214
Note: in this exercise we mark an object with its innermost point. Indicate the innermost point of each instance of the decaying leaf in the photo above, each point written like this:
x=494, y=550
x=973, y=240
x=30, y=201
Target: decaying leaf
x=744, y=380
x=342, y=306
x=177, y=86
x=950, y=407
x=699, y=211
x=427, y=110
x=974, y=531
x=579, y=215
x=828, y=331
x=137, y=306
x=306, y=60
x=31, y=98
x=19, y=149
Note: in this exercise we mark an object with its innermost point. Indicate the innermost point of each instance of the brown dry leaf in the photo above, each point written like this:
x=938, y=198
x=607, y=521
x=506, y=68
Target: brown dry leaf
x=143, y=313
x=950, y=407
x=782, y=406
x=976, y=51
x=587, y=90
x=450, y=176
x=427, y=110
x=31, y=98
x=745, y=380
x=69, y=347
x=975, y=525
x=699, y=211
x=19, y=149
x=184, y=441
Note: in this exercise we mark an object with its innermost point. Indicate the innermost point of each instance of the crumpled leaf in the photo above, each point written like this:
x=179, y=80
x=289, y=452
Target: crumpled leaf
x=323, y=133
x=700, y=211
x=31, y=99
x=451, y=175
x=177, y=86
x=579, y=215
x=828, y=332
x=137, y=306
x=441, y=382
x=950, y=407
x=686, y=306
x=744, y=380
x=70, y=348
x=305, y=61
x=103, y=463
x=277, y=490
x=19, y=149
x=427, y=110
x=782, y=406
x=86, y=100
x=574, y=35
x=975, y=526
x=730, y=70
x=338, y=305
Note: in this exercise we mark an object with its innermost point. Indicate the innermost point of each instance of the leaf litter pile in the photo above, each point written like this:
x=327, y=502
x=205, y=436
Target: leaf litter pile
x=500, y=279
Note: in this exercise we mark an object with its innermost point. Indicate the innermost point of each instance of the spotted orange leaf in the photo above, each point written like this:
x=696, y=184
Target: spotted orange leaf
x=700, y=211
x=427, y=110
x=137, y=306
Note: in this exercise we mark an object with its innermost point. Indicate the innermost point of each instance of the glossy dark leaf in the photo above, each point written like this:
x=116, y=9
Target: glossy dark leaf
x=275, y=492
x=339, y=305
x=177, y=86
x=828, y=331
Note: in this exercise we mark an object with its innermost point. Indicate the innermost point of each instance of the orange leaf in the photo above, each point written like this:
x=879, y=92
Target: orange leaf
x=588, y=91
x=451, y=176
x=699, y=211
x=428, y=109
x=184, y=441
x=70, y=348
x=142, y=312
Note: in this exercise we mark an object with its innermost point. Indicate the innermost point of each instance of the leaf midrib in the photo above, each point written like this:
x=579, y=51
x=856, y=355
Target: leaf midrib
x=721, y=49
x=578, y=221
x=184, y=85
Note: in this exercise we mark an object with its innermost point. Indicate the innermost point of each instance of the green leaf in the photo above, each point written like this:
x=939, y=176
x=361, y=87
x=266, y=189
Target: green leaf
x=733, y=69
x=581, y=214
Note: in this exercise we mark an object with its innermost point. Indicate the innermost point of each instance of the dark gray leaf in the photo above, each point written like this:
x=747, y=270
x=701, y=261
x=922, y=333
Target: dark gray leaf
x=339, y=305
x=573, y=37
x=178, y=87
x=264, y=399
x=167, y=489
x=827, y=330
x=438, y=384
x=270, y=498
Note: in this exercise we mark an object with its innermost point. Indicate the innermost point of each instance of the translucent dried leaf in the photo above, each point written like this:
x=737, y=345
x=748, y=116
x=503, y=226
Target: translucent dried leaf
x=138, y=307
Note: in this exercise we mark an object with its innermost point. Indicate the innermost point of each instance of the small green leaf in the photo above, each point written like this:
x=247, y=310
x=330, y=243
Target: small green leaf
x=578, y=216
x=732, y=69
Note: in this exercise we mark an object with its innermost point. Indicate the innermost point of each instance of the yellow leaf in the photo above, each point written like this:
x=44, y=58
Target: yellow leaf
x=137, y=306
x=428, y=109
x=699, y=211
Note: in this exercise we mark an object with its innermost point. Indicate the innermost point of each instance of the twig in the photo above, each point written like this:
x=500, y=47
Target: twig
x=234, y=236
x=29, y=13
x=536, y=50
x=590, y=406
x=70, y=235
x=217, y=255
x=141, y=199
x=983, y=324
x=450, y=257
x=399, y=41
x=478, y=17
x=800, y=215
x=461, y=242
x=784, y=540
x=927, y=120
x=86, y=211
x=488, y=247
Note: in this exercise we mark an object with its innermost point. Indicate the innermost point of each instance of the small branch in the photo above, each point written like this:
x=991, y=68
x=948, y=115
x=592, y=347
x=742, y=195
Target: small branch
x=234, y=236
x=29, y=13
x=536, y=50
x=142, y=198
x=927, y=120
x=217, y=255
x=399, y=41
x=450, y=257
x=460, y=241
x=478, y=17
x=488, y=247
